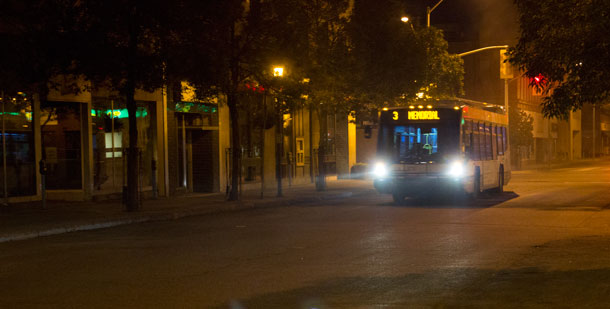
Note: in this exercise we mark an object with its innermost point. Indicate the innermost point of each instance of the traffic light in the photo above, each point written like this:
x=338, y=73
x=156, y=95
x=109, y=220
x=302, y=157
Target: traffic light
x=506, y=70
x=538, y=84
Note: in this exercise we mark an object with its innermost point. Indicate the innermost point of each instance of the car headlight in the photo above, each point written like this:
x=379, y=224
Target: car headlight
x=456, y=169
x=380, y=170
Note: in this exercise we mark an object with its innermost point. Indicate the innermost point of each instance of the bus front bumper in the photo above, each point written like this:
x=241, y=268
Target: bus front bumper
x=420, y=185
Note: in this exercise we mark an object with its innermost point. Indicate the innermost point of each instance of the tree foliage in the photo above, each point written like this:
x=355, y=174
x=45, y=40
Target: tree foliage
x=238, y=42
x=394, y=61
x=521, y=128
x=567, y=43
x=35, y=44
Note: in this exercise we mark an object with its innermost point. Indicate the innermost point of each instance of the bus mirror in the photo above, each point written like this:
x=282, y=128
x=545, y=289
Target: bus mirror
x=368, y=131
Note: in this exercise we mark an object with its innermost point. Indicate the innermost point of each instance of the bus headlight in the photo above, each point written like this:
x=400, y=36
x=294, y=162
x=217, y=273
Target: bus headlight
x=456, y=169
x=380, y=170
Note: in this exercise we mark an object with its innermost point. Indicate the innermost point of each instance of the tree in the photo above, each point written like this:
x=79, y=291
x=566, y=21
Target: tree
x=521, y=127
x=565, y=42
x=362, y=57
x=121, y=45
x=120, y=48
x=233, y=43
x=34, y=47
x=395, y=61
x=325, y=61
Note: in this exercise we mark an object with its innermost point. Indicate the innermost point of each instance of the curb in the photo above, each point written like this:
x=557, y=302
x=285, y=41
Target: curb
x=174, y=215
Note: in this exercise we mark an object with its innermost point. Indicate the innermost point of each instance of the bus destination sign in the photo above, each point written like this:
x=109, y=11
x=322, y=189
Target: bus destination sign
x=420, y=115
x=423, y=115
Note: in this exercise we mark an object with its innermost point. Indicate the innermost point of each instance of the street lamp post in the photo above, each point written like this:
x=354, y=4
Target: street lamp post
x=506, y=80
x=278, y=72
x=428, y=11
x=483, y=49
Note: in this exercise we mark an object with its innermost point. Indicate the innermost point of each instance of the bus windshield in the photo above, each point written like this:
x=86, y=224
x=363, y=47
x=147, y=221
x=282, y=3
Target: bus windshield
x=419, y=142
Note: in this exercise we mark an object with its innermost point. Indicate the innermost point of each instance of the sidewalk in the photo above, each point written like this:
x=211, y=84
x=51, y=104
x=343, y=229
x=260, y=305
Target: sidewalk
x=561, y=163
x=29, y=220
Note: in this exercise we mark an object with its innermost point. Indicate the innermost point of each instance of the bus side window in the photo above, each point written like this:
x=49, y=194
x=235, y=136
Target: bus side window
x=499, y=141
x=494, y=142
x=466, y=139
x=476, y=142
x=504, y=144
x=488, y=143
x=481, y=141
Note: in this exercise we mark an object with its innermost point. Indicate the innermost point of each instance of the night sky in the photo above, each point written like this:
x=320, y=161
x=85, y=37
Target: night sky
x=486, y=21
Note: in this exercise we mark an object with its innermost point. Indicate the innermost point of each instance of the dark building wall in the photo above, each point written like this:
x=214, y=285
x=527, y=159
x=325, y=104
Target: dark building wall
x=366, y=148
x=205, y=161
x=172, y=152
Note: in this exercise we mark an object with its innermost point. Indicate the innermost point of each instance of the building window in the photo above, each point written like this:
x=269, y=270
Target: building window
x=18, y=140
x=300, y=148
x=110, y=130
x=60, y=123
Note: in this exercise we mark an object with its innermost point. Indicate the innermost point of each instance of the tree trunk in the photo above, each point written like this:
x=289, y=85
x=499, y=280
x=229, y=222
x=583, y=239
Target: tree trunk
x=279, y=148
x=322, y=147
x=235, y=146
x=262, y=146
x=133, y=198
x=234, y=115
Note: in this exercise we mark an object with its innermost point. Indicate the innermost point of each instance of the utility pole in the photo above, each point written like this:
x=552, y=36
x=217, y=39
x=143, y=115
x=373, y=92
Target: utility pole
x=428, y=11
x=594, y=140
x=279, y=150
x=505, y=72
x=278, y=71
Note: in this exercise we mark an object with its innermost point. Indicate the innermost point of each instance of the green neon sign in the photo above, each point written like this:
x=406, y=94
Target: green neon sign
x=141, y=112
x=193, y=107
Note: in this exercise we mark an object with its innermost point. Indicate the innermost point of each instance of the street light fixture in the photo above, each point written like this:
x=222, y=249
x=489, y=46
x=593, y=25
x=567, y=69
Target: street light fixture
x=278, y=71
x=406, y=19
x=428, y=11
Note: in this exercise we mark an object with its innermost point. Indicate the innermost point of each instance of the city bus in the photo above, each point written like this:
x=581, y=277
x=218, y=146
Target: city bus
x=448, y=147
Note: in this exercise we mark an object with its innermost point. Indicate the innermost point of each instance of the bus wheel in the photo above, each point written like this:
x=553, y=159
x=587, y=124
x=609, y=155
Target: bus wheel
x=398, y=198
x=476, y=187
x=500, y=187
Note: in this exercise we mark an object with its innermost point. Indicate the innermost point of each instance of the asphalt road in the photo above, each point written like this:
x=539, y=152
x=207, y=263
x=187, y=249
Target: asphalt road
x=543, y=243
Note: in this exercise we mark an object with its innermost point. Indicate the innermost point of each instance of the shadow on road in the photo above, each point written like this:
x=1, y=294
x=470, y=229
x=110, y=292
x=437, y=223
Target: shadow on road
x=485, y=200
x=566, y=273
x=455, y=287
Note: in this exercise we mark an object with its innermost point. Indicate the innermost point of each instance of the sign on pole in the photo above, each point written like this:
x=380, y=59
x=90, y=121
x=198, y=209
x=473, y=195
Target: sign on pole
x=506, y=70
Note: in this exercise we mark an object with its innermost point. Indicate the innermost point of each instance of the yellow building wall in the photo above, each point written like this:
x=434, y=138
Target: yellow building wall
x=224, y=142
x=351, y=133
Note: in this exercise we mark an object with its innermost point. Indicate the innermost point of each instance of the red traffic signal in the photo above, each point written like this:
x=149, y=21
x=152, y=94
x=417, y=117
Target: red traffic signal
x=538, y=80
x=538, y=84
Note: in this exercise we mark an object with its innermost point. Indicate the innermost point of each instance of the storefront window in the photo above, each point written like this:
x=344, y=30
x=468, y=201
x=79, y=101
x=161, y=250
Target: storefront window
x=18, y=140
x=60, y=123
x=195, y=144
x=110, y=129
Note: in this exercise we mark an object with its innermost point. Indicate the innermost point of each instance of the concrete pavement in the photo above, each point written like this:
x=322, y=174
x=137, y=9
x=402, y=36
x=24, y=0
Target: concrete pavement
x=29, y=220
